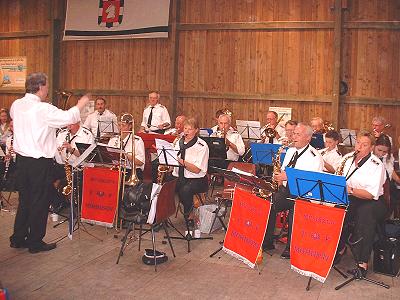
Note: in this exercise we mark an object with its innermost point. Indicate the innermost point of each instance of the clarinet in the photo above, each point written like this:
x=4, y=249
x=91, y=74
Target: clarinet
x=8, y=161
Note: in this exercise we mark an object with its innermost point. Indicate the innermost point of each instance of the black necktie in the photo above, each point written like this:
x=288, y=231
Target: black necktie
x=293, y=160
x=182, y=153
x=150, y=117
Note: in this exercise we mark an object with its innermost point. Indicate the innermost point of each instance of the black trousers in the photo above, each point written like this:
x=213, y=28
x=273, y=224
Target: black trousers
x=34, y=182
x=187, y=188
x=365, y=214
x=280, y=203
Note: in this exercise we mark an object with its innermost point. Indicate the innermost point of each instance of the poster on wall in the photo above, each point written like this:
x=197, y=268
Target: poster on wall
x=12, y=72
x=286, y=112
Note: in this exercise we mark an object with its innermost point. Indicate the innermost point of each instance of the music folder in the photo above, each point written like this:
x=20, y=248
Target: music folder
x=97, y=153
x=317, y=141
x=216, y=146
x=265, y=153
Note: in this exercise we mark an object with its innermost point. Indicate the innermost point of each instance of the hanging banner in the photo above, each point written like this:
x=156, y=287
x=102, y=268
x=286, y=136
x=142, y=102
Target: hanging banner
x=12, y=72
x=116, y=19
x=100, y=194
x=247, y=226
x=315, y=237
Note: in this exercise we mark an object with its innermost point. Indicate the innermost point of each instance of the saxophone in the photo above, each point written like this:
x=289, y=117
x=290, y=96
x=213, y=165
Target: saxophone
x=340, y=169
x=68, y=172
x=8, y=158
x=277, y=166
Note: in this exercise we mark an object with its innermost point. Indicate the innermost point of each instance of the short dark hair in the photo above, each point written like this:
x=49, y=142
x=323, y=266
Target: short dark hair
x=218, y=113
x=384, y=140
x=34, y=81
x=292, y=122
x=273, y=112
x=100, y=98
x=333, y=134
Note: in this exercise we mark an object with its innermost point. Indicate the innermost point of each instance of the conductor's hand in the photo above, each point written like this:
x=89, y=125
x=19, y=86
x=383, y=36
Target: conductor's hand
x=83, y=101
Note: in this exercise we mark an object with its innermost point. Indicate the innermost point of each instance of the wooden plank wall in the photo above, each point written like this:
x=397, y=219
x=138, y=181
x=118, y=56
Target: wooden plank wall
x=245, y=55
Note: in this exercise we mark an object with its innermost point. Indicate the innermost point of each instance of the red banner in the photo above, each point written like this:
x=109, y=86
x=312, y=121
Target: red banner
x=315, y=237
x=247, y=226
x=99, y=199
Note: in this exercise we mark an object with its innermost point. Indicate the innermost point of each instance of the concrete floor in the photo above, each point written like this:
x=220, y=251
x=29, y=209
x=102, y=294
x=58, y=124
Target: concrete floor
x=85, y=268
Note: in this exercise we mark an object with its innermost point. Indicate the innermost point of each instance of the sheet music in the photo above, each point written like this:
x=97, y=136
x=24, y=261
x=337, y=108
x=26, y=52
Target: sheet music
x=83, y=155
x=155, y=190
x=241, y=172
x=171, y=155
x=348, y=137
x=249, y=129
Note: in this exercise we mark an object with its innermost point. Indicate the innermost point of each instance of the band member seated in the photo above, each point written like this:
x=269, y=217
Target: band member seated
x=382, y=150
x=317, y=125
x=155, y=116
x=273, y=131
x=192, y=174
x=67, y=153
x=330, y=153
x=8, y=179
x=5, y=131
x=287, y=139
x=378, y=126
x=365, y=175
x=125, y=126
x=101, y=122
x=301, y=156
x=218, y=113
x=233, y=140
x=178, y=129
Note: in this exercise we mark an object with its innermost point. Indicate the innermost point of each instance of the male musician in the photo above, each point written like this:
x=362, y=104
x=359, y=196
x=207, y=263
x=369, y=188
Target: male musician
x=317, y=125
x=125, y=126
x=217, y=114
x=303, y=157
x=365, y=175
x=155, y=116
x=192, y=174
x=330, y=153
x=102, y=121
x=178, y=129
x=35, y=124
x=378, y=126
x=289, y=129
x=233, y=141
x=272, y=122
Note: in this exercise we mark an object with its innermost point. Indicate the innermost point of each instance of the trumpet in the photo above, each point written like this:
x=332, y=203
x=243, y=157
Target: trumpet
x=269, y=132
x=222, y=134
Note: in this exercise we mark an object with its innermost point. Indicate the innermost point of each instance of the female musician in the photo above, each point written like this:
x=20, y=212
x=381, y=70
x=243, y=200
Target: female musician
x=192, y=173
x=5, y=131
x=125, y=126
x=383, y=150
x=330, y=153
x=365, y=176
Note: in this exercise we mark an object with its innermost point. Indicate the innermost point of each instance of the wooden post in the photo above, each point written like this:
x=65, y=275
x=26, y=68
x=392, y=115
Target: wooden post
x=337, y=44
x=174, y=36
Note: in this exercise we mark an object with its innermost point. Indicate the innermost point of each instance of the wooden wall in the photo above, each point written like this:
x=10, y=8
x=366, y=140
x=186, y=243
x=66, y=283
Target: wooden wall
x=246, y=55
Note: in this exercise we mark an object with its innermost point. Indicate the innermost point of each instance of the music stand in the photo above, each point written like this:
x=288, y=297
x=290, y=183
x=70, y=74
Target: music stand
x=249, y=130
x=205, y=132
x=216, y=146
x=317, y=141
x=166, y=153
x=265, y=153
x=320, y=187
x=348, y=137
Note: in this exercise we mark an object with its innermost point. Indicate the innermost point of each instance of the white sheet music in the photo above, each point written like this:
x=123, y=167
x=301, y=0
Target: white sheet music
x=241, y=172
x=348, y=137
x=155, y=190
x=249, y=129
x=171, y=157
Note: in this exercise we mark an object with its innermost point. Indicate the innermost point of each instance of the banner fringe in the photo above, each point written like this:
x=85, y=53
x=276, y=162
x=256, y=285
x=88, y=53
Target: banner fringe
x=239, y=257
x=108, y=225
x=308, y=274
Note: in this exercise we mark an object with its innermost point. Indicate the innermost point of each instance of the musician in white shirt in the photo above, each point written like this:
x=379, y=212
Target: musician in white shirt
x=330, y=153
x=102, y=121
x=155, y=116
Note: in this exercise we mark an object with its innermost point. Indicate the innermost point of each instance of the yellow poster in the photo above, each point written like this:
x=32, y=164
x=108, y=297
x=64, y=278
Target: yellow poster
x=12, y=72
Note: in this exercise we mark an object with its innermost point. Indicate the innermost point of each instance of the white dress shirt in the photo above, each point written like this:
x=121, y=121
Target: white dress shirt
x=160, y=116
x=310, y=160
x=139, y=147
x=83, y=135
x=332, y=157
x=108, y=122
x=235, y=138
x=370, y=176
x=198, y=155
x=35, y=125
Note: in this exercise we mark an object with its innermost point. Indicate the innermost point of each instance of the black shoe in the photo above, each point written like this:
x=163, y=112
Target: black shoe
x=42, y=247
x=190, y=224
x=18, y=245
x=338, y=256
x=358, y=272
x=286, y=253
x=268, y=246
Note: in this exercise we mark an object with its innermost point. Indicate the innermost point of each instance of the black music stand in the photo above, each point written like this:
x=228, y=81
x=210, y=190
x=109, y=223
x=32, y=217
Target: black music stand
x=320, y=187
x=264, y=155
x=166, y=155
x=317, y=141
x=348, y=137
x=249, y=130
x=106, y=128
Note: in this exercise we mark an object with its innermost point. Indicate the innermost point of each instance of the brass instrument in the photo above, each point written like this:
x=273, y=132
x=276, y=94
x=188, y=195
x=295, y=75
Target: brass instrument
x=328, y=126
x=162, y=170
x=270, y=132
x=66, y=95
x=222, y=134
x=277, y=166
x=67, y=190
x=340, y=169
x=133, y=180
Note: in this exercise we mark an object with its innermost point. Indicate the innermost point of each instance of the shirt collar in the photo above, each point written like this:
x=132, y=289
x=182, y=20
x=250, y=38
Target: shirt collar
x=33, y=97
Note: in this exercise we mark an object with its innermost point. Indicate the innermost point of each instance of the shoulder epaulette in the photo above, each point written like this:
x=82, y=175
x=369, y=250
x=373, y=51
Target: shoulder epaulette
x=312, y=152
x=337, y=151
x=375, y=162
x=200, y=143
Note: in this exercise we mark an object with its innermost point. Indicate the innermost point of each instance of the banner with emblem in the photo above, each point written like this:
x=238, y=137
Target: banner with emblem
x=315, y=237
x=247, y=226
x=116, y=19
x=100, y=196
